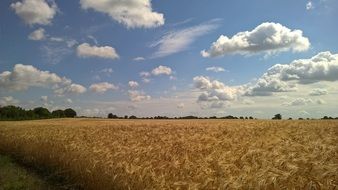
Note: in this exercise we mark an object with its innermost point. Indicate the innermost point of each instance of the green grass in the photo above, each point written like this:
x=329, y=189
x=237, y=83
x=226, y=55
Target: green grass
x=15, y=177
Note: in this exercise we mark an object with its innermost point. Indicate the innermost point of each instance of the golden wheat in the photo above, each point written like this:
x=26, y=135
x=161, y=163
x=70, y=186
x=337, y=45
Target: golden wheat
x=181, y=154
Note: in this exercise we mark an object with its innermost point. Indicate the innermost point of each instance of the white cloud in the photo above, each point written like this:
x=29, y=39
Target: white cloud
x=318, y=92
x=284, y=77
x=56, y=39
x=215, y=69
x=70, y=89
x=85, y=50
x=37, y=35
x=299, y=102
x=214, y=93
x=133, y=84
x=25, y=76
x=161, y=70
x=139, y=59
x=35, y=11
x=179, y=40
x=138, y=96
x=8, y=100
x=131, y=13
x=102, y=87
x=69, y=101
x=309, y=5
x=268, y=37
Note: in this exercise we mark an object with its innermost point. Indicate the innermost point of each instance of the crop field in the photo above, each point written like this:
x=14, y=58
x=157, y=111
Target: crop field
x=180, y=154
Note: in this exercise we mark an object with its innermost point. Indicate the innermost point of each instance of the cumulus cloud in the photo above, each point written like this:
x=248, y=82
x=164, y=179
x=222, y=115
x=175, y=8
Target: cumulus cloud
x=179, y=40
x=37, y=35
x=102, y=87
x=318, y=92
x=86, y=50
x=309, y=5
x=8, y=100
x=215, y=69
x=35, y=11
x=284, y=77
x=161, y=70
x=133, y=84
x=25, y=76
x=139, y=59
x=298, y=102
x=131, y=13
x=268, y=38
x=214, y=93
x=138, y=96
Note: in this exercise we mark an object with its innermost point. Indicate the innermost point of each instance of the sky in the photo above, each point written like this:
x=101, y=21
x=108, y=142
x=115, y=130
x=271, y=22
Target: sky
x=175, y=58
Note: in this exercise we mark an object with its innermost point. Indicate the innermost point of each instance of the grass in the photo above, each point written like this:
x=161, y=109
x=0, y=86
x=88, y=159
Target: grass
x=15, y=177
x=180, y=154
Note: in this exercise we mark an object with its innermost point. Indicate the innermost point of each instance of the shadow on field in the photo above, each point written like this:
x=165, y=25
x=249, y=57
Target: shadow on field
x=18, y=173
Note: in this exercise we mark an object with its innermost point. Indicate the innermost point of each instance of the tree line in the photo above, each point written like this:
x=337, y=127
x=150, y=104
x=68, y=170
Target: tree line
x=18, y=113
x=113, y=116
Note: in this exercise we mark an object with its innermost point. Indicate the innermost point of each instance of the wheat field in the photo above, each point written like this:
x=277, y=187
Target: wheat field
x=180, y=154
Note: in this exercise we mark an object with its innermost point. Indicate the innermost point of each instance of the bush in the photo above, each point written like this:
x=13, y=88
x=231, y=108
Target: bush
x=277, y=117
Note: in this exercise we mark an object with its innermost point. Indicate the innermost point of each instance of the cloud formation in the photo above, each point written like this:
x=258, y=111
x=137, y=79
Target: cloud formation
x=318, y=92
x=85, y=50
x=161, y=70
x=102, y=87
x=214, y=93
x=25, y=76
x=179, y=40
x=35, y=11
x=133, y=84
x=8, y=100
x=268, y=38
x=38, y=34
x=215, y=69
x=284, y=77
x=138, y=96
x=131, y=13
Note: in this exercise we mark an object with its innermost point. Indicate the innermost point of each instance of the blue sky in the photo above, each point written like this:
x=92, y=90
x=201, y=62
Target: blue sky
x=89, y=55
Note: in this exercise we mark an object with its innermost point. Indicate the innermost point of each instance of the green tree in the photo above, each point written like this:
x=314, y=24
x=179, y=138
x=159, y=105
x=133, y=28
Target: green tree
x=70, y=112
x=58, y=114
x=277, y=117
x=42, y=112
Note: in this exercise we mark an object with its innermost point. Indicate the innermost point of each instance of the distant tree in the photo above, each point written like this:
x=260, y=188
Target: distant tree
x=325, y=117
x=213, y=117
x=125, y=117
x=70, y=112
x=250, y=117
x=246, y=118
x=42, y=112
x=290, y=118
x=58, y=113
x=110, y=116
x=300, y=118
x=277, y=117
x=132, y=117
x=241, y=117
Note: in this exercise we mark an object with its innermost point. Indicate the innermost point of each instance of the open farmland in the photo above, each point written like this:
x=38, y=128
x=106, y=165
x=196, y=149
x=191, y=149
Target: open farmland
x=180, y=154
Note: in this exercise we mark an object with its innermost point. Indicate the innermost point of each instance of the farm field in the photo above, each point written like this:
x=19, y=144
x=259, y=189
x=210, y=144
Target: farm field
x=180, y=154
